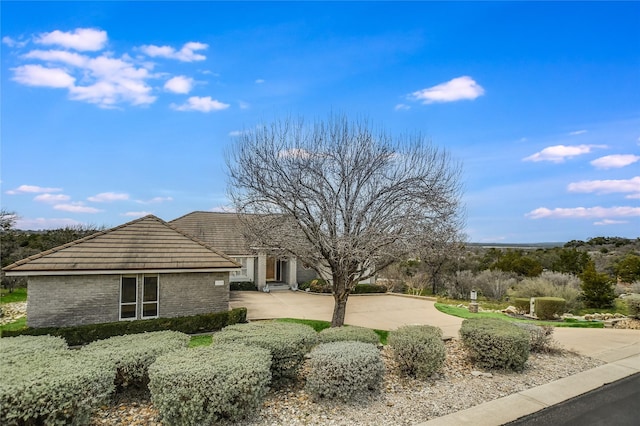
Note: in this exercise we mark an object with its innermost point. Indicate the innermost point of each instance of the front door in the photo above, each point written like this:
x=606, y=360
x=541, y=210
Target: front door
x=274, y=269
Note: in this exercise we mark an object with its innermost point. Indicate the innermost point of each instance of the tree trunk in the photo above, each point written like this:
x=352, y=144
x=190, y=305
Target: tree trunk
x=340, y=296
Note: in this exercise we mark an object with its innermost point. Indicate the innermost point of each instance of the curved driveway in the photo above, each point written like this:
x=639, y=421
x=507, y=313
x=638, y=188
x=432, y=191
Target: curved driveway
x=388, y=312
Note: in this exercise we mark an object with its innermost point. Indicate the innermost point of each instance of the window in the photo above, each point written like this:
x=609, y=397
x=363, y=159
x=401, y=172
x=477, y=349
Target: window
x=129, y=297
x=150, y=296
x=243, y=272
x=129, y=303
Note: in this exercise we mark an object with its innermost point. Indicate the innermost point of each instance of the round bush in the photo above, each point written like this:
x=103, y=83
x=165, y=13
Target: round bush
x=495, y=344
x=53, y=387
x=350, y=333
x=633, y=304
x=208, y=385
x=288, y=343
x=131, y=355
x=540, y=338
x=418, y=349
x=344, y=370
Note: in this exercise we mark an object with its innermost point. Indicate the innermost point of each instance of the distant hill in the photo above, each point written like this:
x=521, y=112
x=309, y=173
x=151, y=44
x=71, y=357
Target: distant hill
x=523, y=246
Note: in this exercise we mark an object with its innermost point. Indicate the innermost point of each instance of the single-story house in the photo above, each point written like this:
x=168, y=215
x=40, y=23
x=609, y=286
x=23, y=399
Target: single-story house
x=224, y=232
x=146, y=268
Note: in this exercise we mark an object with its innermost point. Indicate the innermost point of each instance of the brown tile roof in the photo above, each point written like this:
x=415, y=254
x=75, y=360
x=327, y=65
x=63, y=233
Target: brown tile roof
x=220, y=230
x=148, y=243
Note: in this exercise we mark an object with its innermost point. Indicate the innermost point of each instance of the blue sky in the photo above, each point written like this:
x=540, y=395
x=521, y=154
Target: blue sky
x=113, y=110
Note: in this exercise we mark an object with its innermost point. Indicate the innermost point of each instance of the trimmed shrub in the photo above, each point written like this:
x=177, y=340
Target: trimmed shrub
x=547, y=308
x=132, y=355
x=84, y=334
x=14, y=347
x=551, y=285
x=633, y=304
x=52, y=387
x=540, y=338
x=418, y=349
x=344, y=370
x=495, y=344
x=242, y=286
x=369, y=288
x=319, y=286
x=349, y=333
x=208, y=385
x=288, y=343
x=522, y=304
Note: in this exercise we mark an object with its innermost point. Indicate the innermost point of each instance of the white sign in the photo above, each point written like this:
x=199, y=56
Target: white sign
x=219, y=282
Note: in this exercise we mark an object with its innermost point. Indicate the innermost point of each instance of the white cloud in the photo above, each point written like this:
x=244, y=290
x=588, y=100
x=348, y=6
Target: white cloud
x=13, y=43
x=294, y=153
x=32, y=189
x=631, y=186
x=77, y=207
x=83, y=39
x=401, y=107
x=235, y=133
x=243, y=105
x=202, y=104
x=583, y=212
x=223, y=209
x=155, y=200
x=259, y=81
x=453, y=90
x=51, y=198
x=42, y=223
x=615, y=161
x=136, y=214
x=610, y=222
x=179, y=84
x=70, y=58
x=37, y=75
x=559, y=153
x=577, y=132
x=108, y=197
x=186, y=54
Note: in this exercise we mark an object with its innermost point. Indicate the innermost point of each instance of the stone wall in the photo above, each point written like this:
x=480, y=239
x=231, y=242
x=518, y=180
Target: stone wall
x=63, y=301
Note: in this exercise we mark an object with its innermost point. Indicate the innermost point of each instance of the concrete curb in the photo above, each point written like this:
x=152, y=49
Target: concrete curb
x=512, y=407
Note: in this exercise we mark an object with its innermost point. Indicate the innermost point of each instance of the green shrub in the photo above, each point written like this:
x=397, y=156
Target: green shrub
x=288, y=343
x=52, y=387
x=350, y=333
x=549, y=284
x=547, y=308
x=344, y=370
x=369, y=288
x=522, y=304
x=495, y=344
x=208, y=385
x=132, y=355
x=540, y=338
x=84, y=334
x=418, y=349
x=633, y=305
x=16, y=346
x=242, y=286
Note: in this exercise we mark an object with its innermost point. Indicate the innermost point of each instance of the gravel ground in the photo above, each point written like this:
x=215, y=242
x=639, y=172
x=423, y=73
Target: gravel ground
x=402, y=401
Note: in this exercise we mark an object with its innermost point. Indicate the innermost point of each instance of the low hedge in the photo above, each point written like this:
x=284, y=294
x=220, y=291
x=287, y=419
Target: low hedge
x=495, y=344
x=84, y=334
x=369, y=288
x=633, y=304
x=548, y=308
x=14, y=347
x=209, y=385
x=540, y=337
x=132, y=355
x=522, y=304
x=418, y=349
x=52, y=387
x=242, y=286
x=349, y=333
x=288, y=343
x=344, y=370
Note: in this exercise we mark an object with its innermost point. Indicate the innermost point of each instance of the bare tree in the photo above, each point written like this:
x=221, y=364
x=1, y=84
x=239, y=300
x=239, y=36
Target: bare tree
x=341, y=197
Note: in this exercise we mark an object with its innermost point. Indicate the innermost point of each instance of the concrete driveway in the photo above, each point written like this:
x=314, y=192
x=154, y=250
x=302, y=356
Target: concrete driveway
x=381, y=311
x=388, y=312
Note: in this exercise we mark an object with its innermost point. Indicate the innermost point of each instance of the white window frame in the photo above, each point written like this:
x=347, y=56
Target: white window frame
x=243, y=272
x=157, y=301
x=121, y=304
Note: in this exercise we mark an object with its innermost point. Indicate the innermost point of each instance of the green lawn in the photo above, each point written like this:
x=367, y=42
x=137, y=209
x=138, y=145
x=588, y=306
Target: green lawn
x=204, y=340
x=17, y=325
x=464, y=313
x=17, y=295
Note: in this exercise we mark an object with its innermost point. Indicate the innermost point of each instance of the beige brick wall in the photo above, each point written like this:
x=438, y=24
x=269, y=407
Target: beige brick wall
x=61, y=301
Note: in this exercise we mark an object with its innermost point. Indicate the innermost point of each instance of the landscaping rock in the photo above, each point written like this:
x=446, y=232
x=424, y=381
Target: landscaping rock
x=12, y=312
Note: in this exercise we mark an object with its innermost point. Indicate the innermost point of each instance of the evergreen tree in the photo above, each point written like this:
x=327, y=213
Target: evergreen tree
x=597, y=288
